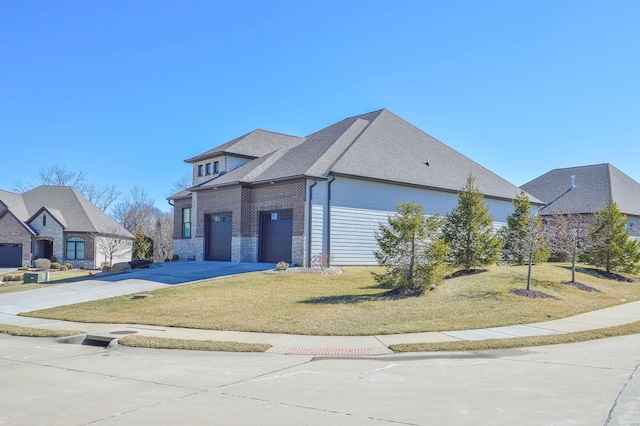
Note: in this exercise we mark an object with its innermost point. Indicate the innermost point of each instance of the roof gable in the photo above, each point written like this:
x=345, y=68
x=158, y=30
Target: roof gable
x=595, y=187
x=253, y=145
x=67, y=204
x=378, y=145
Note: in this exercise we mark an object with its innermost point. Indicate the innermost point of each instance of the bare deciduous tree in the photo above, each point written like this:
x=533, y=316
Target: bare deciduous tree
x=58, y=175
x=112, y=245
x=183, y=183
x=162, y=236
x=567, y=235
x=530, y=242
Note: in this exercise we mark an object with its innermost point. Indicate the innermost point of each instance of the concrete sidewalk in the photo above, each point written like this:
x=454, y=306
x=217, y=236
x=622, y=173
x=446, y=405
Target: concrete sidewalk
x=348, y=345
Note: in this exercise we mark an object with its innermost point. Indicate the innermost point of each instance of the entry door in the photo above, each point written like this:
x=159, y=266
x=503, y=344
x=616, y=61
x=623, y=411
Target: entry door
x=276, y=235
x=219, y=237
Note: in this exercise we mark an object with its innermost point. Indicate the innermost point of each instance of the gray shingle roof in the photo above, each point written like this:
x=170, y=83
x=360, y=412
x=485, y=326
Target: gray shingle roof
x=378, y=145
x=595, y=187
x=67, y=205
x=253, y=144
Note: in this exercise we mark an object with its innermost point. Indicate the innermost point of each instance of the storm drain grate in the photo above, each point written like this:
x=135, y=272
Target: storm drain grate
x=328, y=351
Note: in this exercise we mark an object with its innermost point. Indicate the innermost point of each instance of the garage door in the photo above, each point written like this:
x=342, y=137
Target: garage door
x=218, y=241
x=276, y=231
x=10, y=255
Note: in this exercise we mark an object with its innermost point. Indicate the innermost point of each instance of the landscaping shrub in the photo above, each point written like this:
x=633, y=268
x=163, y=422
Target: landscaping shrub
x=175, y=257
x=84, y=267
x=42, y=264
x=121, y=266
x=63, y=267
x=282, y=266
x=55, y=265
x=23, y=268
x=106, y=268
x=13, y=277
x=69, y=266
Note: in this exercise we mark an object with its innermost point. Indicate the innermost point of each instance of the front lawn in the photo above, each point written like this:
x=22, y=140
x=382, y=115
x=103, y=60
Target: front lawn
x=55, y=277
x=353, y=304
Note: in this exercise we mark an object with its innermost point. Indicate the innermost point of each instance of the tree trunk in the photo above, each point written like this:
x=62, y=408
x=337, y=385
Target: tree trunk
x=529, y=272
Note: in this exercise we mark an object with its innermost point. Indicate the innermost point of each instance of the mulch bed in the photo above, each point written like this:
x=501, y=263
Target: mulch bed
x=462, y=273
x=581, y=286
x=532, y=294
x=609, y=275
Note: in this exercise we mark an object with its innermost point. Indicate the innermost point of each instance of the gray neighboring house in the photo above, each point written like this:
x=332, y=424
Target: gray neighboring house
x=58, y=222
x=586, y=190
x=269, y=197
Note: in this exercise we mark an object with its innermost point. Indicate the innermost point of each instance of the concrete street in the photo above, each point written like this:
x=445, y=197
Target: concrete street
x=48, y=383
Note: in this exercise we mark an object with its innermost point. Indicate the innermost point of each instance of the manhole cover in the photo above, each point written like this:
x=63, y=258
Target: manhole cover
x=123, y=332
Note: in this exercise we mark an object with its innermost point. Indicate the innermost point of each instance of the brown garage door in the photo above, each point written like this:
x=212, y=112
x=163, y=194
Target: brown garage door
x=276, y=231
x=10, y=255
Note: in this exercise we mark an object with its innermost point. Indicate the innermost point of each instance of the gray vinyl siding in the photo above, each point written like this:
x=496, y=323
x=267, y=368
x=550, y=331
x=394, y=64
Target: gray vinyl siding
x=358, y=207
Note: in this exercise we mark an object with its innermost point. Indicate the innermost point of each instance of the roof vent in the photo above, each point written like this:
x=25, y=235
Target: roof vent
x=427, y=162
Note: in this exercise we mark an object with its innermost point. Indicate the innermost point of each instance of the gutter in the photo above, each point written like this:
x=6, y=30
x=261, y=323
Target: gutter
x=310, y=222
x=333, y=178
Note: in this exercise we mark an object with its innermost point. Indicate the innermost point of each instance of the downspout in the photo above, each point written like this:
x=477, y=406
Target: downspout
x=333, y=177
x=310, y=221
x=172, y=205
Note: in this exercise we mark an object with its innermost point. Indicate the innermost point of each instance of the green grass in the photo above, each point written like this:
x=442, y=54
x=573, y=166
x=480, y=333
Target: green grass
x=519, y=342
x=55, y=277
x=15, y=330
x=352, y=303
x=192, y=345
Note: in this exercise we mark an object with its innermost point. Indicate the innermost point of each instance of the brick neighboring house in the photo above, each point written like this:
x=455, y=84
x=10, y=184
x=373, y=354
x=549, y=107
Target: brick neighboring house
x=58, y=222
x=586, y=190
x=269, y=197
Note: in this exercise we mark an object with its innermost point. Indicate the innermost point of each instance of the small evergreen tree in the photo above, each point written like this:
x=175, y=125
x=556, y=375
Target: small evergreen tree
x=412, y=250
x=515, y=237
x=613, y=250
x=141, y=244
x=469, y=232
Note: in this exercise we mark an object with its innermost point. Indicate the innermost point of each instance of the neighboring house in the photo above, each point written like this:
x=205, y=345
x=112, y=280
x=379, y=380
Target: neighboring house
x=58, y=222
x=586, y=190
x=269, y=197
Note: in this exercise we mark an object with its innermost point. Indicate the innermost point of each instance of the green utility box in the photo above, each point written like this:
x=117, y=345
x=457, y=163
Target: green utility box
x=35, y=277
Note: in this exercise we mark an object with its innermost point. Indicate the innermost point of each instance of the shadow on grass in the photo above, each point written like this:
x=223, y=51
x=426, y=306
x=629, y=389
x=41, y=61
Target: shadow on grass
x=600, y=274
x=348, y=299
x=479, y=295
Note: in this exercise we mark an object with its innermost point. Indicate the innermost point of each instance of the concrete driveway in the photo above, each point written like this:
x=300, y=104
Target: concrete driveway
x=135, y=281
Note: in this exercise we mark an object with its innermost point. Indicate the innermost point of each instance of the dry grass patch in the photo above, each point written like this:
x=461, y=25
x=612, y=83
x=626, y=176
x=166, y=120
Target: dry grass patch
x=192, y=345
x=10, y=287
x=353, y=304
x=519, y=342
x=15, y=330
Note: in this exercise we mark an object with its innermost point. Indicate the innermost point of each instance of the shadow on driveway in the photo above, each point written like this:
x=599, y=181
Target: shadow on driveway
x=187, y=271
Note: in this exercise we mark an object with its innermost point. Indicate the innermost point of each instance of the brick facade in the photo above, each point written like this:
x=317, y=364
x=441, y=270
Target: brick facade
x=245, y=203
x=12, y=231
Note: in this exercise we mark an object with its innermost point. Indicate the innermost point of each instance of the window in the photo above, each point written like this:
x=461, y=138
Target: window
x=208, y=169
x=75, y=248
x=221, y=217
x=200, y=170
x=216, y=167
x=44, y=220
x=186, y=223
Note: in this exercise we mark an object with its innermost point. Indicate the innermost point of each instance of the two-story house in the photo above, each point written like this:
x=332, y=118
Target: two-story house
x=269, y=197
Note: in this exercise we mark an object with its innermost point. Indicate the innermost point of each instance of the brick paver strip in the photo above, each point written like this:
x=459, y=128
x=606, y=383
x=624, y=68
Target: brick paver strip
x=328, y=351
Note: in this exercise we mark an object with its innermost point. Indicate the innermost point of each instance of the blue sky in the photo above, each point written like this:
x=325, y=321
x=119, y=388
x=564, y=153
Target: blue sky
x=126, y=90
